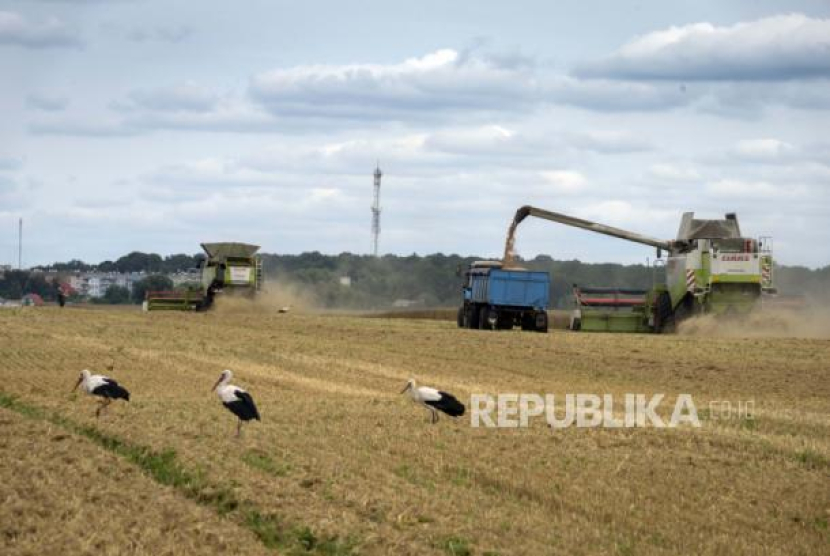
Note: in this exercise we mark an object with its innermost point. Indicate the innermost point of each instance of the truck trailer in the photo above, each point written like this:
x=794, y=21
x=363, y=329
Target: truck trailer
x=499, y=298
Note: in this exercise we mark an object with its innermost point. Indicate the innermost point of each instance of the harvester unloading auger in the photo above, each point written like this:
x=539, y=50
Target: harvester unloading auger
x=710, y=268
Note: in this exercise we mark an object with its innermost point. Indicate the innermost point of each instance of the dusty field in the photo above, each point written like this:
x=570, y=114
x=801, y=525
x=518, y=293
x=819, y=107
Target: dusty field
x=342, y=464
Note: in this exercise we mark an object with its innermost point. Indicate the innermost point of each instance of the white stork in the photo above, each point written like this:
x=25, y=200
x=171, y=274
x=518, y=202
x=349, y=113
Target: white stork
x=434, y=400
x=102, y=386
x=237, y=400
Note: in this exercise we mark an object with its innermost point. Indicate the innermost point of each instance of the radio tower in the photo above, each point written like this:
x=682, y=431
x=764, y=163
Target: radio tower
x=376, y=212
x=20, y=244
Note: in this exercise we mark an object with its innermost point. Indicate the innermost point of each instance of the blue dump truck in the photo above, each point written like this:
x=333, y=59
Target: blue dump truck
x=497, y=298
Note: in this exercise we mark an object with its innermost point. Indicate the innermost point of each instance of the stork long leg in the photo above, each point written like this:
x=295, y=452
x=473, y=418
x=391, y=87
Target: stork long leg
x=434, y=416
x=239, y=428
x=103, y=405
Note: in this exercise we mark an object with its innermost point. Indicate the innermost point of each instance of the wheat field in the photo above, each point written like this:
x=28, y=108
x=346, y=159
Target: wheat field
x=343, y=464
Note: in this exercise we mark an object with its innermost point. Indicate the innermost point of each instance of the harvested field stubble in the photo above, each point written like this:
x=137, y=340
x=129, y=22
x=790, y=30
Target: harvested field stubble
x=341, y=463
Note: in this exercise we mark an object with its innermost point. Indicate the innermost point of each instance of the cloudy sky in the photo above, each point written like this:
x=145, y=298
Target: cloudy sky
x=154, y=125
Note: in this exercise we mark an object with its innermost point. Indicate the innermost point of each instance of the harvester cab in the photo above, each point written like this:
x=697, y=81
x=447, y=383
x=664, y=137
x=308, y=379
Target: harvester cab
x=230, y=268
x=711, y=267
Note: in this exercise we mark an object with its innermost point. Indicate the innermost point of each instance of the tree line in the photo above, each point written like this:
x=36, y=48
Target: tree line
x=352, y=281
x=135, y=262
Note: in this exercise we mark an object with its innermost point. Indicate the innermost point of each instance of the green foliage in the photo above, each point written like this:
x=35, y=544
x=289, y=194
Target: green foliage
x=268, y=528
x=456, y=546
x=156, y=282
x=14, y=284
x=138, y=262
x=431, y=281
x=264, y=462
x=812, y=459
x=117, y=295
x=135, y=262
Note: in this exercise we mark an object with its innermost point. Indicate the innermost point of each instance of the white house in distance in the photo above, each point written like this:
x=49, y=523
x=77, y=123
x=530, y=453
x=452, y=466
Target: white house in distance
x=95, y=284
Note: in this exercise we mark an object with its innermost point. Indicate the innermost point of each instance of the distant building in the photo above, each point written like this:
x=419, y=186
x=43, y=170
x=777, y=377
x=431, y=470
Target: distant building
x=78, y=283
x=186, y=277
x=96, y=284
x=346, y=281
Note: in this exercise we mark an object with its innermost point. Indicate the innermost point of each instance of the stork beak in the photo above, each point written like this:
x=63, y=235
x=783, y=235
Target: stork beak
x=80, y=379
x=215, y=386
x=405, y=388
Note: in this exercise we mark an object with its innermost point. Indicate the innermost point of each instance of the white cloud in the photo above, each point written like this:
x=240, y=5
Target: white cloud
x=781, y=47
x=616, y=96
x=752, y=190
x=764, y=150
x=608, y=141
x=493, y=139
x=673, y=172
x=17, y=30
x=445, y=84
x=565, y=181
x=438, y=82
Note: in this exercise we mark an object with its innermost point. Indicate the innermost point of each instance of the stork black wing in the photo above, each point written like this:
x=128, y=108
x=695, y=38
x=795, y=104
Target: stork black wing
x=448, y=404
x=244, y=406
x=111, y=389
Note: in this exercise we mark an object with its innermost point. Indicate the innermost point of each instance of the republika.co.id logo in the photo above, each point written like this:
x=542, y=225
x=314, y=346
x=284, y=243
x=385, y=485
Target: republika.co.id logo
x=581, y=410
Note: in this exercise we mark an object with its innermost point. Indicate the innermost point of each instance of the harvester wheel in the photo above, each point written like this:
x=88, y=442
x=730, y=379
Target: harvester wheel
x=685, y=309
x=460, y=318
x=664, y=317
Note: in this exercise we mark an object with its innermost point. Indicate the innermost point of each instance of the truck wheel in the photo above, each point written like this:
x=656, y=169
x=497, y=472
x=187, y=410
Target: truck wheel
x=527, y=322
x=487, y=317
x=460, y=317
x=482, y=319
x=505, y=321
x=541, y=321
x=472, y=317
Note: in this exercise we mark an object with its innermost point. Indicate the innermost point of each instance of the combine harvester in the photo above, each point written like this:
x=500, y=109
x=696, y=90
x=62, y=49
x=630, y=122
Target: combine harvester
x=711, y=268
x=229, y=268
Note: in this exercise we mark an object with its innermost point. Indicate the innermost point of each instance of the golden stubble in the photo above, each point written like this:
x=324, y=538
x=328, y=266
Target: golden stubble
x=353, y=458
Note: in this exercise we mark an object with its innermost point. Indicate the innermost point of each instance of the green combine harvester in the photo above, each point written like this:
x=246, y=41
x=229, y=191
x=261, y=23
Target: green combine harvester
x=710, y=268
x=228, y=269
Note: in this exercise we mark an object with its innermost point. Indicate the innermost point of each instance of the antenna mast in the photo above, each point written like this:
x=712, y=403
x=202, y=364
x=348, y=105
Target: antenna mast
x=376, y=211
x=20, y=244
